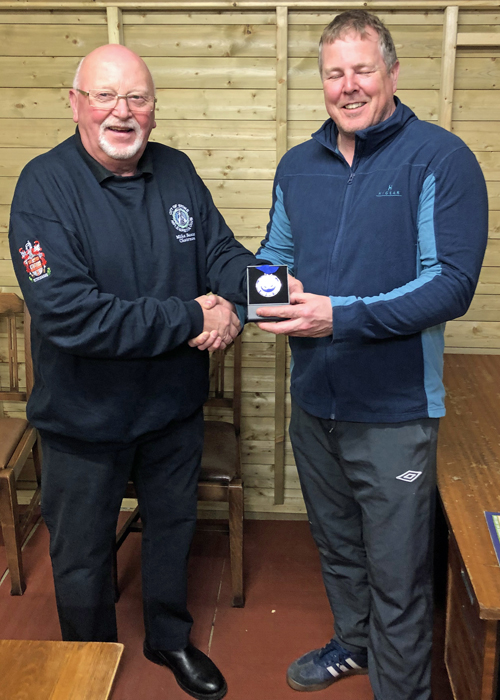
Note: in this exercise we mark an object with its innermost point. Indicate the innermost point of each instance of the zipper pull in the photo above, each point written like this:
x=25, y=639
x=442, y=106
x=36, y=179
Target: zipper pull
x=351, y=178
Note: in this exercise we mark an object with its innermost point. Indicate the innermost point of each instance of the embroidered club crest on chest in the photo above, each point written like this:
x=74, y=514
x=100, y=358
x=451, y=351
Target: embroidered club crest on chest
x=34, y=261
x=180, y=218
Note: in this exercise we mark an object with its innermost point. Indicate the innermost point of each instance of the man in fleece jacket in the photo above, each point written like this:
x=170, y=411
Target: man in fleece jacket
x=383, y=218
x=115, y=242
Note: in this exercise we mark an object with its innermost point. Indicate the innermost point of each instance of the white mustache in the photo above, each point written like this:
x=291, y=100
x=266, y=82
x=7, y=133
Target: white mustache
x=128, y=124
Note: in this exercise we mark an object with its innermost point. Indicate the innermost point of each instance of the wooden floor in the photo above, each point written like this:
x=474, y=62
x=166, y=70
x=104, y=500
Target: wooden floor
x=286, y=614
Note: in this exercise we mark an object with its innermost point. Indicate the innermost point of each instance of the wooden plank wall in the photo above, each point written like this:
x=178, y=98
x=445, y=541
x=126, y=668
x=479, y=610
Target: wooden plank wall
x=236, y=88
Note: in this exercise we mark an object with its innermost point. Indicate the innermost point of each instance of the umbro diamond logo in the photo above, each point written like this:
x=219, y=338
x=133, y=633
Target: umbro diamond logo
x=409, y=476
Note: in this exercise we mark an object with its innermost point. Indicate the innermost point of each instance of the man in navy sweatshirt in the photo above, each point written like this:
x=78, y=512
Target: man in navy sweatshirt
x=383, y=218
x=115, y=242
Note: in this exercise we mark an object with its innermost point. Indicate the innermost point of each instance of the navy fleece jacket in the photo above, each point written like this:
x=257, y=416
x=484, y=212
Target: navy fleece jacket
x=119, y=263
x=396, y=241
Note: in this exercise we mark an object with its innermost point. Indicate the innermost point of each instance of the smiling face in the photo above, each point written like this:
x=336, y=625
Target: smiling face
x=357, y=87
x=115, y=138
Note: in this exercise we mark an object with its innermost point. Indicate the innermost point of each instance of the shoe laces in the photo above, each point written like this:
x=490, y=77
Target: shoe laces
x=333, y=652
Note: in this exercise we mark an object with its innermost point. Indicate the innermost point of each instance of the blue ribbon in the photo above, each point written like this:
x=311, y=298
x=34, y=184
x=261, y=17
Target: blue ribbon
x=268, y=269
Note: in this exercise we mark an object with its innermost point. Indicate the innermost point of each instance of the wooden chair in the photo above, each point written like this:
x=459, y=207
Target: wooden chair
x=18, y=439
x=220, y=478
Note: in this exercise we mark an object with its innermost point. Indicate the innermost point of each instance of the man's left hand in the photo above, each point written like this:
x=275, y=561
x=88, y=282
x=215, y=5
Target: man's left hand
x=309, y=316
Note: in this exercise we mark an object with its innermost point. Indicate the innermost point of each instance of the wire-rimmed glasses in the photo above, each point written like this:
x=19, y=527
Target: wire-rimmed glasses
x=108, y=99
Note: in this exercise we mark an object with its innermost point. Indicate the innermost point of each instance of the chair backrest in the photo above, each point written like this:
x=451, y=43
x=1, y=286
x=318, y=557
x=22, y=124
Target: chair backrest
x=13, y=313
x=220, y=397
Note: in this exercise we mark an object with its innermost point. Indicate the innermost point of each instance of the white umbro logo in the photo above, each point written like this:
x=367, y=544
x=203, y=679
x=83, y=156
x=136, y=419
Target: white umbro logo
x=409, y=476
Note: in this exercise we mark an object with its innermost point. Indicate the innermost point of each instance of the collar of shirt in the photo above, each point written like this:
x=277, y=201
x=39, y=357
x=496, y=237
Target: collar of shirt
x=144, y=166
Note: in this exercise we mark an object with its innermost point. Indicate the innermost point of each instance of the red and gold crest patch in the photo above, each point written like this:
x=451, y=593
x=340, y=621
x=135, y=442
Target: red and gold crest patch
x=34, y=261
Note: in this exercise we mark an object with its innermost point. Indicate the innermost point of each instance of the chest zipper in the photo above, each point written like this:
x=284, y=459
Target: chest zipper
x=341, y=226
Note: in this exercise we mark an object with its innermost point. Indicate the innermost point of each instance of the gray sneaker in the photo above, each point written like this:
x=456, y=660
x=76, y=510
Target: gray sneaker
x=320, y=668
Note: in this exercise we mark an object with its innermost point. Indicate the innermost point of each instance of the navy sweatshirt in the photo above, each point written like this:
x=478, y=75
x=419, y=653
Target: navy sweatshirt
x=396, y=241
x=109, y=267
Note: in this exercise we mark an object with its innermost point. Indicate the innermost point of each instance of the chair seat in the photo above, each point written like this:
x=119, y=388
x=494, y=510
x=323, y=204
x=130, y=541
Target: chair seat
x=220, y=453
x=11, y=432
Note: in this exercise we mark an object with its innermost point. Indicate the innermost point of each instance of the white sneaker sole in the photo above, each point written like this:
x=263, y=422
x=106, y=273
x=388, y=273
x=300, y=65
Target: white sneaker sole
x=325, y=684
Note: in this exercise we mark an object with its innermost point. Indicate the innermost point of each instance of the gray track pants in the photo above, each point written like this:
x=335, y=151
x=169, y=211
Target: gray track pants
x=374, y=530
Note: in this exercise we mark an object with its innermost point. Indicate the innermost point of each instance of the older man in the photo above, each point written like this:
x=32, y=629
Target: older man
x=127, y=242
x=384, y=220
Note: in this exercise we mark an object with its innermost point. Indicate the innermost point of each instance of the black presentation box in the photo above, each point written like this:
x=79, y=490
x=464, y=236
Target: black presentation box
x=267, y=285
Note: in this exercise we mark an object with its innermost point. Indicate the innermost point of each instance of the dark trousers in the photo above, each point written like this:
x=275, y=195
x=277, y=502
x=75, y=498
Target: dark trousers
x=82, y=492
x=370, y=496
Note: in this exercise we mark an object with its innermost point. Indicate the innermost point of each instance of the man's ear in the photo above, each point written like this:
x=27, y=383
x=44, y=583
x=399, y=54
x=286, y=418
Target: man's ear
x=73, y=99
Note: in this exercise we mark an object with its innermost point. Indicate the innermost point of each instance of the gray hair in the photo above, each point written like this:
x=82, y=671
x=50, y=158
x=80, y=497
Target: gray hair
x=76, y=79
x=358, y=21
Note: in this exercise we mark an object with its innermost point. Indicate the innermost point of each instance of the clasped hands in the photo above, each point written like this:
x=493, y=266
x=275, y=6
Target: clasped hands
x=221, y=325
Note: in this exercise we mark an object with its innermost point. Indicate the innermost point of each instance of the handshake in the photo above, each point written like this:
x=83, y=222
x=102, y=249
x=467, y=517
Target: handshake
x=220, y=324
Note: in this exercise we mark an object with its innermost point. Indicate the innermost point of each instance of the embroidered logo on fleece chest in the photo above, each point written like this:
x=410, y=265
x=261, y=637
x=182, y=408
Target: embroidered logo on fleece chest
x=182, y=222
x=390, y=192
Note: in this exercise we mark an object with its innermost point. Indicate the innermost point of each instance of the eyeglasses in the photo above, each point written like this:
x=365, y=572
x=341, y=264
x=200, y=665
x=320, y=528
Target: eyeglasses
x=108, y=99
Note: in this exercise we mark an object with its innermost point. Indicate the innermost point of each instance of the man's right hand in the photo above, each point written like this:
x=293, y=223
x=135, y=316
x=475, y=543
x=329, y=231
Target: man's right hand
x=221, y=324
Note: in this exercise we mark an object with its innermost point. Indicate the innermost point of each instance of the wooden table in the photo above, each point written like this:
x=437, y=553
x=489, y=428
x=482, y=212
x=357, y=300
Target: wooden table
x=57, y=670
x=469, y=484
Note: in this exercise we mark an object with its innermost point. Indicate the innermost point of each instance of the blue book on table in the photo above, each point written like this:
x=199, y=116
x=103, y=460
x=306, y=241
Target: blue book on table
x=493, y=520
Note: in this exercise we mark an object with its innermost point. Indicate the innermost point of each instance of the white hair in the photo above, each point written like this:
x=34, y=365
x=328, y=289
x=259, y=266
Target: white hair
x=120, y=152
x=76, y=79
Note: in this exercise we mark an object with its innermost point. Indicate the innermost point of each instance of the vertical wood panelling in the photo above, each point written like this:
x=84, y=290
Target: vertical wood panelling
x=448, y=66
x=115, y=25
x=281, y=80
x=479, y=325
x=280, y=344
x=236, y=88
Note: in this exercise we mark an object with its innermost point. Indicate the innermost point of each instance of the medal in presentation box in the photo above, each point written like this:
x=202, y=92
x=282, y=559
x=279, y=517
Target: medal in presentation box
x=267, y=285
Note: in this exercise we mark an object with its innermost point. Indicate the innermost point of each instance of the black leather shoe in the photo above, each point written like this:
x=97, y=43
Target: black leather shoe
x=196, y=674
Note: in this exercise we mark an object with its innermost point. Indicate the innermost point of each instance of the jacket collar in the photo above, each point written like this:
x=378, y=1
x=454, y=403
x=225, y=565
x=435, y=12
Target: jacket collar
x=371, y=139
